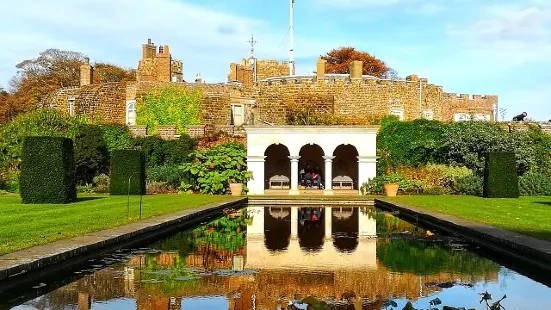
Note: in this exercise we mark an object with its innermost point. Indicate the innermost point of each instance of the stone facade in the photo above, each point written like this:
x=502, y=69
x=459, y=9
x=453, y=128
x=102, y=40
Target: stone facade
x=266, y=101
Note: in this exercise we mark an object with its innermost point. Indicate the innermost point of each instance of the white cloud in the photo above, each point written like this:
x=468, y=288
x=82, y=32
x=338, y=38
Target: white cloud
x=113, y=31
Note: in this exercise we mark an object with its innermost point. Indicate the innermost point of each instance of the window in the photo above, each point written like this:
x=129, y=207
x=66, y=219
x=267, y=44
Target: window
x=398, y=112
x=237, y=114
x=428, y=115
x=462, y=117
x=131, y=112
x=71, y=107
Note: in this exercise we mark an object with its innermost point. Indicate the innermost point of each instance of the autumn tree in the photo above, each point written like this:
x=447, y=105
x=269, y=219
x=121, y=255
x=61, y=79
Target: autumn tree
x=53, y=69
x=108, y=73
x=338, y=61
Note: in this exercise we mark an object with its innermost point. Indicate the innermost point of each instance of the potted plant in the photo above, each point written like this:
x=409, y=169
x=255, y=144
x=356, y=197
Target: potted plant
x=392, y=184
x=236, y=180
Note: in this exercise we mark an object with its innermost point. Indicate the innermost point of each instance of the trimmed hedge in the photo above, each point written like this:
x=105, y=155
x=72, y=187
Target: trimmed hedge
x=126, y=164
x=48, y=170
x=500, y=176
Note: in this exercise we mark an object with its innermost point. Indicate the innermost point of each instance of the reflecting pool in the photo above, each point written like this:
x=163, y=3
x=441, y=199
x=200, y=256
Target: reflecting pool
x=273, y=257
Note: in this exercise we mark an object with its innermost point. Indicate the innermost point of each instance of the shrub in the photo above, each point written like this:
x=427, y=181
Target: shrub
x=471, y=185
x=48, y=170
x=127, y=165
x=213, y=169
x=170, y=174
x=535, y=184
x=9, y=180
x=376, y=185
x=412, y=143
x=177, y=151
x=91, y=154
x=152, y=148
x=42, y=122
x=117, y=137
x=500, y=176
x=160, y=188
x=435, y=178
x=101, y=183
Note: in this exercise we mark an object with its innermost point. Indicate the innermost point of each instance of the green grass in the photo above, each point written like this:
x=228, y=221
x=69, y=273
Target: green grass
x=23, y=226
x=525, y=215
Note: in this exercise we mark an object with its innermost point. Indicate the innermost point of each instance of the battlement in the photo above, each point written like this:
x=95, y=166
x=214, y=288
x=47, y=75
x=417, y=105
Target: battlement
x=469, y=97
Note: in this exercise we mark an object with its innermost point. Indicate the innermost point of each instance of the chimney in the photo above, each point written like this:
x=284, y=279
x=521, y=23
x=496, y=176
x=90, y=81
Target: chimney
x=320, y=68
x=86, y=73
x=356, y=69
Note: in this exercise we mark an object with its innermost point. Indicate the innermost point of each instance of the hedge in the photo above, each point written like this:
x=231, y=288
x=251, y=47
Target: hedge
x=500, y=176
x=127, y=165
x=48, y=170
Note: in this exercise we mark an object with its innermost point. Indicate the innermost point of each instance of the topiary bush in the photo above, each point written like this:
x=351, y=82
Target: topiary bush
x=535, y=184
x=500, y=176
x=48, y=170
x=127, y=165
x=91, y=154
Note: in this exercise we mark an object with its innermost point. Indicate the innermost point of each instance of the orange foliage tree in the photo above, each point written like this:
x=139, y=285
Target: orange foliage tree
x=53, y=69
x=338, y=61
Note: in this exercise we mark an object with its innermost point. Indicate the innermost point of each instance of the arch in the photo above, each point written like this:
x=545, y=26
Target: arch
x=277, y=228
x=345, y=227
x=131, y=112
x=277, y=164
x=311, y=234
x=311, y=158
x=345, y=163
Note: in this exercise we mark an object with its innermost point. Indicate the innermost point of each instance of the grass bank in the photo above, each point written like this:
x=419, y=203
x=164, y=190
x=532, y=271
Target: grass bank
x=23, y=226
x=525, y=215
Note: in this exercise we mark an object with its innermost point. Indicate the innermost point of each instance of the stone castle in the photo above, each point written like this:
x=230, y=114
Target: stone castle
x=260, y=92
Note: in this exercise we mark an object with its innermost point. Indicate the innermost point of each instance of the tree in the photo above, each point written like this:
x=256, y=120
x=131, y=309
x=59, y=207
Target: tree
x=53, y=69
x=338, y=61
x=108, y=73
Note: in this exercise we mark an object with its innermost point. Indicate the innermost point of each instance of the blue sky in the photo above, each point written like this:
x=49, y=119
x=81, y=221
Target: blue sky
x=500, y=47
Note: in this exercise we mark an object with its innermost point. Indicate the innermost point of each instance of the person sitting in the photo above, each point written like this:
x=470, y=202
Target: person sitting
x=316, y=178
x=520, y=117
x=308, y=179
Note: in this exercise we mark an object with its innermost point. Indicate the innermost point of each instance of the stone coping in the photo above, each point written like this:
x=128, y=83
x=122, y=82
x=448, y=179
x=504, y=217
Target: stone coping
x=258, y=201
x=312, y=129
x=521, y=247
x=38, y=257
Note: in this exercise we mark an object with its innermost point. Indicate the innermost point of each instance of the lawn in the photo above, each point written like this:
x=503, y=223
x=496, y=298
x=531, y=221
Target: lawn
x=24, y=226
x=526, y=215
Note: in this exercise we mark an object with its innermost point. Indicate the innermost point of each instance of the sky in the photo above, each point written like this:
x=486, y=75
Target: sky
x=490, y=47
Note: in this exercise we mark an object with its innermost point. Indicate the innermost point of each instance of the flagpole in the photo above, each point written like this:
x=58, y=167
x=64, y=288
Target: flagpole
x=291, y=39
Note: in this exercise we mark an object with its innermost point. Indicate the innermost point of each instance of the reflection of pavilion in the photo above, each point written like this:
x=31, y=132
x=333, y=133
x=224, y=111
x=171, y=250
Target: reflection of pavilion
x=343, y=238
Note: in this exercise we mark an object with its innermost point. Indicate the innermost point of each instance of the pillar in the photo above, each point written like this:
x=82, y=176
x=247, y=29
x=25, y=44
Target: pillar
x=84, y=301
x=328, y=175
x=256, y=226
x=294, y=175
x=367, y=225
x=255, y=164
x=294, y=222
x=328, y=218
x=367, y=169
x=356, y=69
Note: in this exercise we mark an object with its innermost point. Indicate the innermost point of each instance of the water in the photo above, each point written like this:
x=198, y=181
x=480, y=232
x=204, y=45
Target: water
x=269, y=257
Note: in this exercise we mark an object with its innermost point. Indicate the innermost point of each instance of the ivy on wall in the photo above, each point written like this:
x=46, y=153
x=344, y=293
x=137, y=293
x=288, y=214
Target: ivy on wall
x=170, y=105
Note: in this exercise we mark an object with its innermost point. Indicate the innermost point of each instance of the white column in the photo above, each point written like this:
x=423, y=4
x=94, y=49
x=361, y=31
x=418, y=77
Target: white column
x=256, y=227
x=367, y=169
x=294, y=175
x=328, y=175
x=255, y=164
x=328, y=222
x=367, y=225
x=294, y=222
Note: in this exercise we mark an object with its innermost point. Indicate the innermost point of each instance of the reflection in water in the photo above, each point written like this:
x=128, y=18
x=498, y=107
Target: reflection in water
x=267, y=256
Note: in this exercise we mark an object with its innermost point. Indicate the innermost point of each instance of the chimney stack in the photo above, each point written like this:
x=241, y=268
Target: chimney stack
x=86, y=73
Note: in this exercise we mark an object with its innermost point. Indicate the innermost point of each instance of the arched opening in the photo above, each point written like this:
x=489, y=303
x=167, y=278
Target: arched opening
x=311, y=164
x=311, y=231
x=277, y=167
x=344, y=224
x=345, y=167
x=277, y=228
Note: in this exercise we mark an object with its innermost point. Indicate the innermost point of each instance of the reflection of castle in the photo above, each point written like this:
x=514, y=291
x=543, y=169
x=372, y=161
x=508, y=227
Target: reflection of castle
x=333, y=257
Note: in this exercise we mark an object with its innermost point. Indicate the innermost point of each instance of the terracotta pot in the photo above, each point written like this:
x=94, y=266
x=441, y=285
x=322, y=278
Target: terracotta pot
x=236, y=189
x=391, y=190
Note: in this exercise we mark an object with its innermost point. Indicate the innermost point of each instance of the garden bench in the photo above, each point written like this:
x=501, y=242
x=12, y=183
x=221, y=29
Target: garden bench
x=343, y=182
x=279, y=181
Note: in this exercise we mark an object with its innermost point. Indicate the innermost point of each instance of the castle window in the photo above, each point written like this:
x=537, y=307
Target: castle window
x=428, y=115
x=131, y=112
x=237, y=114
x=398, y=112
